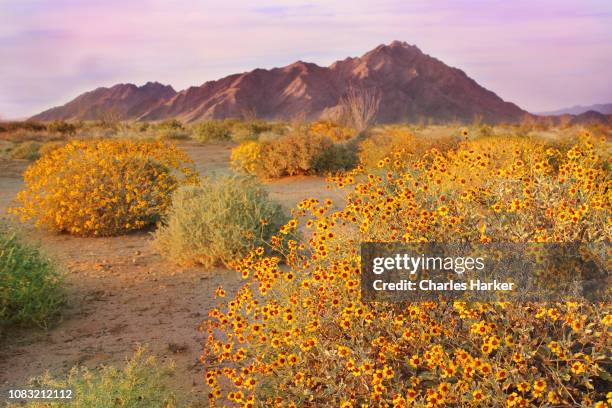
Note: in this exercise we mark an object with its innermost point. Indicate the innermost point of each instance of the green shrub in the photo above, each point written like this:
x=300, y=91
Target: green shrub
x=27, y=125
x=141, y=383
x=60, y=126
x=213, y=131
x=30, y=293
x=218, y=221
x=253, y=130
x=171, y=129
x=32, y=150
x=142, y=126
x=170, y=124
x=338, y=157
x=173, y=134
x=29, y=150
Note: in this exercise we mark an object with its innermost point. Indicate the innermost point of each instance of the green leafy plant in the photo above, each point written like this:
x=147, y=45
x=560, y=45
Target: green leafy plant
x=213, y=131
x=29, y=150
x=141, y=383
x=217, y=221
x=30, y=284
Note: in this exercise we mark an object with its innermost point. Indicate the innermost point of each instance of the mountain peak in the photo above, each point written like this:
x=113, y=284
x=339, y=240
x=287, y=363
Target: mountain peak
x=395, y=47
x=412, y=86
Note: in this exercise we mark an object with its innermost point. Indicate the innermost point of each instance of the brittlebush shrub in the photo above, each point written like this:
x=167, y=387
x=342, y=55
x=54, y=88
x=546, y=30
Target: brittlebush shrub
x=335, y=132
x=30, y=284
x=102, y=188
x=217, y=222
x=298, y=335
x=291, y=155
x=245, y=158
x=401, y=143
x=142, y=382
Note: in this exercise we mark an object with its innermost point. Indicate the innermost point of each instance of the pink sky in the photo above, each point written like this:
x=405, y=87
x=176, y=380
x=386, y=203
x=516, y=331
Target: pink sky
x=542, y=55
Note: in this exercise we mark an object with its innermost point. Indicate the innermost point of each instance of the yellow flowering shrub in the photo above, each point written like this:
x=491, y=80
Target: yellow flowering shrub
x=400, y=142
x=104, y=187
x=292, y=154
x=298, y=335
x=331, y=130
x=245, y=157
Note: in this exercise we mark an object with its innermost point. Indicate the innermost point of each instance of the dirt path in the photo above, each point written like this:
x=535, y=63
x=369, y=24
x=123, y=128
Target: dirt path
x=122, y=294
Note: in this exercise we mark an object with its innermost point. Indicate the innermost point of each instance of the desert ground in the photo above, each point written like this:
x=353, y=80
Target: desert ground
x=122, y=294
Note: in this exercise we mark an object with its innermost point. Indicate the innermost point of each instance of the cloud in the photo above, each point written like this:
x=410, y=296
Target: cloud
x=541, y=55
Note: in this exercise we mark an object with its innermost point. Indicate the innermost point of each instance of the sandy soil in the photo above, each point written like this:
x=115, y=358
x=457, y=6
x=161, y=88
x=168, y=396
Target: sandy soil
x=122, y=294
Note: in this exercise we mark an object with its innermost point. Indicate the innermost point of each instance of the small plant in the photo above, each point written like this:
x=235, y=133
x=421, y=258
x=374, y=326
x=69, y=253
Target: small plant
x=217, y=221
x=141, y=383
x=254, y=129
x=171, y=129
x=213, y=131
x=102, y=188
x=29, y=150
x=30, y=293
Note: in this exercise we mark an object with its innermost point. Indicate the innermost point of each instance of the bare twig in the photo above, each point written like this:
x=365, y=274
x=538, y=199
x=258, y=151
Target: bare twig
x=359, y=107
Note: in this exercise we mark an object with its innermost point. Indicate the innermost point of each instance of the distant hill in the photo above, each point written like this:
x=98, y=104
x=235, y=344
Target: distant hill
x=411, y=85
x=604, y=108
x=590, y=118
x=122, y=102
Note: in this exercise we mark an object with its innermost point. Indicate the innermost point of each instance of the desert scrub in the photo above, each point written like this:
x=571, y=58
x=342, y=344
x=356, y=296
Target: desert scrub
x=30, y=284
x=29, y=150
x=245, y=158
x=400, y=142
x=336, y=158
x=335, y=132
x=252, y=130
x=213, y=130
x=62, y=127
x=140, y=383
x=217, y=222
x=170, y=129
x=292, y=154
x=102, y=188
x=299, y=335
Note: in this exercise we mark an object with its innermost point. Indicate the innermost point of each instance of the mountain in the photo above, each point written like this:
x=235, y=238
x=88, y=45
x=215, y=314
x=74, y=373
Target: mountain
x=604, y=108
x=121, y=102
x=591, y=118
x=412, y=86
